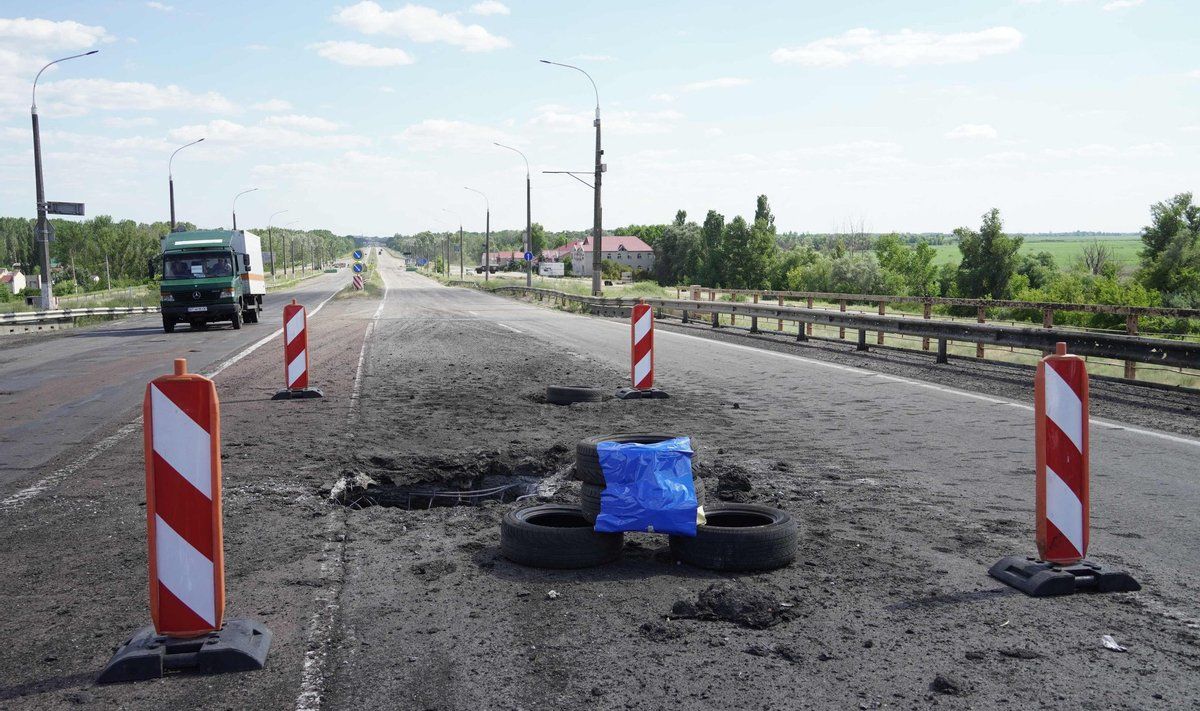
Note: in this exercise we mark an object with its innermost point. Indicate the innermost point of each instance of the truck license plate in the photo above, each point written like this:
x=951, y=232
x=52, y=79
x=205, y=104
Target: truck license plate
x=192, y=309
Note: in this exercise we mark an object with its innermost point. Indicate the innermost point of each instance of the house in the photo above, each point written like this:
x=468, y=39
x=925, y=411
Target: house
x=626, y=250
x=556, y=254
x=15, y=281
x=502, y=258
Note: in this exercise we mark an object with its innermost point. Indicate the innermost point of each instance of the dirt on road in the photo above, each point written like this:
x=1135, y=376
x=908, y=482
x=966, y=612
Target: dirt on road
x=381, y=606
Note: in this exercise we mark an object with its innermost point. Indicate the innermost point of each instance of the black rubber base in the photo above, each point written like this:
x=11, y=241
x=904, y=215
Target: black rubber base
x=635, y=394
x=241, y=645
x=298, y=394
x=1039, y=578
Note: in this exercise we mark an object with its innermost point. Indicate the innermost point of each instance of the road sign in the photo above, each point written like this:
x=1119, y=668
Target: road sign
x=422, y=262
x=358, y=282
x=46, y=234
x=529, y=256
x=358, y=267
x=358, y=254
x=65, y=208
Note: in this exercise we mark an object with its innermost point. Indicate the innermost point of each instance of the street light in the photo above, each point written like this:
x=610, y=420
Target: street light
x=597, y=252
x=528, y=216
x=271, y=240
x=43, y=226
x=487, y=239
x=171, y=178
x=292, y=244
x=461, y=277
x=235, y=199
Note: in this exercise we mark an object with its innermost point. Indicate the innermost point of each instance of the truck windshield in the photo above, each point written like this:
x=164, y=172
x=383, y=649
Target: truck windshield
x=197, y=266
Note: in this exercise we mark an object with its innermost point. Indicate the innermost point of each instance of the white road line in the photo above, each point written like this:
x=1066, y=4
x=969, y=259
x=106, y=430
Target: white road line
x=24, y=496
x=1178, y=439
x=505, y=325
x=473, y=313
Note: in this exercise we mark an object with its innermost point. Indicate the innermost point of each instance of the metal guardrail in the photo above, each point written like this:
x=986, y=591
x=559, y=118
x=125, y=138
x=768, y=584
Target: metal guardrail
x=1158, y=351
x=28, y=317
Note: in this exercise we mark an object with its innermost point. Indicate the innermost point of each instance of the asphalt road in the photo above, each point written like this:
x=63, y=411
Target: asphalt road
x=63, y=390
x=905, y=492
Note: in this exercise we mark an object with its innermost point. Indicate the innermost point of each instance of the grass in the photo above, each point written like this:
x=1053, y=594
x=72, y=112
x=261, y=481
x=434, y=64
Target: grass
x=1126, y=249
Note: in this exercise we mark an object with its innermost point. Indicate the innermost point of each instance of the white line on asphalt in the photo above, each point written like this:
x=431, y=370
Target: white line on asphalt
x=505, y=325
x=917, y=383
x=473, y=313
x=20, y=498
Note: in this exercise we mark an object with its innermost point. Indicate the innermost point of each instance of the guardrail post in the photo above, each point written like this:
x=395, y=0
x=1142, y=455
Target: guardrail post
x=926, y=314
x=780, y=326
x=808, y=326
x=862, y=339
x=981, y=317
x=842, y=308
x=942, y=356
x=754, y=319
x=879, y=334
x=716, y=318
x=1131, y=328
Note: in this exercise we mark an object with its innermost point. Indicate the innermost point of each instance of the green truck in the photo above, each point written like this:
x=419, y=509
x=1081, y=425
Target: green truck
x=211, y=275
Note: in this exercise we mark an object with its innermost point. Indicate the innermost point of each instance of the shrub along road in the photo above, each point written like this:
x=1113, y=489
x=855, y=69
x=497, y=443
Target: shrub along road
x=904, y=493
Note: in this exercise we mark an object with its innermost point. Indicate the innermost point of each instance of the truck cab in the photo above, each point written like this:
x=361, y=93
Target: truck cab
x=211, y=275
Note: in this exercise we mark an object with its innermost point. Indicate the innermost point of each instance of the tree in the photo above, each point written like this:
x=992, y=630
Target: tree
x=989, y=259
x=913, y=267
x=711, y=236
x=537, y=238
x=1169, y=218
x=1171, y=257
x=1097, y=258
x=677, y=254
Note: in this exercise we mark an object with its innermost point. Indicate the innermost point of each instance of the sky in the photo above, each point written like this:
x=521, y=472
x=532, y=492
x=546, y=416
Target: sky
x=371, y=117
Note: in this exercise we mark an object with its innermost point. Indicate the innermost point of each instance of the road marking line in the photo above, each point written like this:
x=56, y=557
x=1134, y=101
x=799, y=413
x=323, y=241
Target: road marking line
x=505, y=325
x=20, y=498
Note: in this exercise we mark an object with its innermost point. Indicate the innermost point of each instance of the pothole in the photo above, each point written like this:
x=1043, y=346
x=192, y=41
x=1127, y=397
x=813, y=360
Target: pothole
x=422, y=482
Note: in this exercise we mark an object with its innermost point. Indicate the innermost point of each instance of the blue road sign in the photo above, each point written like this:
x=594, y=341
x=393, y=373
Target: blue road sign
x=358, y=254
x=357, y=267
x=529, y=256
x=422, y=262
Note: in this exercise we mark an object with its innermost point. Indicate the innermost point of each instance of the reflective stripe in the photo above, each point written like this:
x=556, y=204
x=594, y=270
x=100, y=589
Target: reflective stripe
x=641, y=327
x=295, y=326
x=641, y=369
x=182, y=443
x=184, y=571
x=1064, y=510
x=1064, y=407
x=296, y=368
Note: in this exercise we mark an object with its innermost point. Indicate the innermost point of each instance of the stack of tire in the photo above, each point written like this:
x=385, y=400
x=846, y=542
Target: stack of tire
x=734, y=537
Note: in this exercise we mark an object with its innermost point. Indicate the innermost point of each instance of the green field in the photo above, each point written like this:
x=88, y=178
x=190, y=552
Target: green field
x=1065, y=250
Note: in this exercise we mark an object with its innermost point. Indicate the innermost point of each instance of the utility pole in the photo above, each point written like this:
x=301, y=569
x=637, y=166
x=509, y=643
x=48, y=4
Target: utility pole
x=461, y=276
x=107, y=274
x=235, y=199
x=528, y=215
x=487, y=239
x=171, y=179
x=597, y=215
x=43, y=225
x=271, y=239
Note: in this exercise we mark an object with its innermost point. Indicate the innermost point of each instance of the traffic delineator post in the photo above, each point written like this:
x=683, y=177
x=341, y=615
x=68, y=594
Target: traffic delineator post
x=641, y=352
x=1062, y=490
x=182, y=446
x=295, y=354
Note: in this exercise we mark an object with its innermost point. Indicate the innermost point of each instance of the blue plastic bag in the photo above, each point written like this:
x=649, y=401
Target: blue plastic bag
x=648, y=487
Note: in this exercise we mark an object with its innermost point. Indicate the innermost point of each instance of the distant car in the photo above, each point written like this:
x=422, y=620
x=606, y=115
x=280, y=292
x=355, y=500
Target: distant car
x=493, y=269
x=340, y=265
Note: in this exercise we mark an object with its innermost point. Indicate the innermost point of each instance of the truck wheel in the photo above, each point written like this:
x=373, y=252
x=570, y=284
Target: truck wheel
x=236, y=320
x=168, y=324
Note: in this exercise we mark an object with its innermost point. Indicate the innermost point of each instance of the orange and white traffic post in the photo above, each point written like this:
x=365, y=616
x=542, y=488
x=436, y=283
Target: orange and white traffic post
x=182, y=440
x=641, y=354
x=295, y=354
x=1062, y=493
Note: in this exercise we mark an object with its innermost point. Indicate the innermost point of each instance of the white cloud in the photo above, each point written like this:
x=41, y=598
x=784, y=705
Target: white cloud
x=257, y=47
x=159, y=6
x=664, y=97
x=265, y=136
x=561, y=119
x=722, y=83
x=1101, y=150
x=78, y=96
x=48, y=34
x=1190, y=129
x=594, y=57
x=713, y=132
x=419, y=24
x=973, y=131
x=443, y=134
x=1195, y=74
x=901, y=49
x=387, y=90
x=304, y=123
x=490, y=7
x=1122, y=4
x=358, y=54
x=273, y=105
x=138, y=122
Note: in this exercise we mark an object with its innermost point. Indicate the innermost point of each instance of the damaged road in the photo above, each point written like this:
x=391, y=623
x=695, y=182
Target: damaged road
x=904, y=496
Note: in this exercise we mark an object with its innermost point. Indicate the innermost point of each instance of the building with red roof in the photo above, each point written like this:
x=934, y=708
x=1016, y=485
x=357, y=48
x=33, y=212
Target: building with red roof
x=625, y=250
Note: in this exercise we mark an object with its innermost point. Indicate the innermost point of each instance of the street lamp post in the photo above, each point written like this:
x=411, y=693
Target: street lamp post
x=291, y=244
x=271, y=240
x=171, y=178
x=487, y=239
x=235, y=199
x=461, y=276
x=43, y=225
x=597, y=252
x=528, y=216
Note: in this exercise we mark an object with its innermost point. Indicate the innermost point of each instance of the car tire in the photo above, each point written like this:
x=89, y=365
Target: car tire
x=589, y=498
x=739, y=537
x=555, y=536
x=587, y=459
x=569, y=394
x=168, y=324
x=236, y=320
